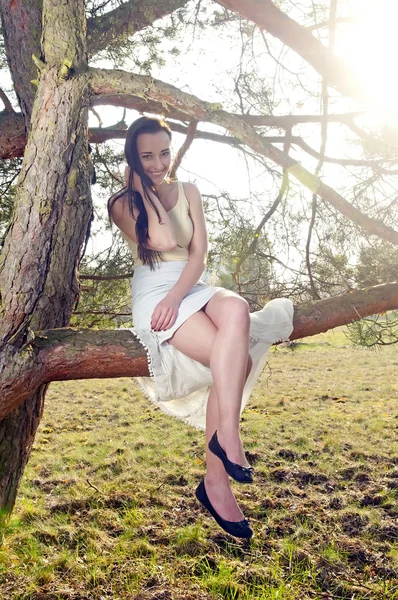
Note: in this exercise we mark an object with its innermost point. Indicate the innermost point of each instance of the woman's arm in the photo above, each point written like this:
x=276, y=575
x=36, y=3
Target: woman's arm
x=161, y=236
x=165, y=313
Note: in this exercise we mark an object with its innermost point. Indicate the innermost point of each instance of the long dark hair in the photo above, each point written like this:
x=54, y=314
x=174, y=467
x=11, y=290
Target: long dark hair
x=141, y=125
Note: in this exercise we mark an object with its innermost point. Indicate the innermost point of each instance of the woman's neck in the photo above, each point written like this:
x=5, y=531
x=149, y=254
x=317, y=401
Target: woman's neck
x=164, y=188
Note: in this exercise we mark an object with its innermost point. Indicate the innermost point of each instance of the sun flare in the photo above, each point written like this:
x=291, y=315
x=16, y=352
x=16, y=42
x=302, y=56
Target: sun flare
x=370, y=46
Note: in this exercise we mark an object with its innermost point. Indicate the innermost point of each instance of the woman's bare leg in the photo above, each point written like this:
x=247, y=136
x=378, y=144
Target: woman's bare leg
x=228, y=346
x=195, y=338
x=216, y=480
x=229, y=363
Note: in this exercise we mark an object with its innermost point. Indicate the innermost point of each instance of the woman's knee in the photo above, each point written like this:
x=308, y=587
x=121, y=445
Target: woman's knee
x=235, y=309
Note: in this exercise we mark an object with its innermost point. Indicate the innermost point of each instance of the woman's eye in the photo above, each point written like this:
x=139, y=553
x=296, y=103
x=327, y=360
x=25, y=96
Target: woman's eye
x=166, y=153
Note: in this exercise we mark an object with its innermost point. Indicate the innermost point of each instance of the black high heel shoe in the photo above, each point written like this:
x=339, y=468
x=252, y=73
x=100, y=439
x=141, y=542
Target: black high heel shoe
x=240, y=529
x=237, y=472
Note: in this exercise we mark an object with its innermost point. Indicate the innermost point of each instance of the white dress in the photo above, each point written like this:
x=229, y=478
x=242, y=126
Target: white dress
x=179, y=385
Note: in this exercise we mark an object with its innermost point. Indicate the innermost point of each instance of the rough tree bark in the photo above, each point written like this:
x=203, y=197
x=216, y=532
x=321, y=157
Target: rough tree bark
x=38, y=264
x=21, y=25
x=125, y=20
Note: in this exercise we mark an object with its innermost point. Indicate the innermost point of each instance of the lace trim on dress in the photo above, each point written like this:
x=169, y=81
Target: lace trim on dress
x=140, y=335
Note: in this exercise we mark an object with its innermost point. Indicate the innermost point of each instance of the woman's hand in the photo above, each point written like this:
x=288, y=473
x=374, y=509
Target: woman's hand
x=165, y=314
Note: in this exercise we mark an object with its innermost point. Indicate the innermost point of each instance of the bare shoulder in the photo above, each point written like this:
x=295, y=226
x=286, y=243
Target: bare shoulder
x=119, y=206
x=192, y=193
x=119, y=197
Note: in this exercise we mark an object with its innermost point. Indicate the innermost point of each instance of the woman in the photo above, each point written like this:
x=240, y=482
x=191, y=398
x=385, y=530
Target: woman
x=163, y=223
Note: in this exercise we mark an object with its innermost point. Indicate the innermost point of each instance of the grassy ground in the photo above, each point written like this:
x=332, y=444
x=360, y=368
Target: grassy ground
x=106, y=508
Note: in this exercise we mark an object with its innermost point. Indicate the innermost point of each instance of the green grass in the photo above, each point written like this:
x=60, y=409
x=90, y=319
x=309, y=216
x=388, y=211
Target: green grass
x=106, y=508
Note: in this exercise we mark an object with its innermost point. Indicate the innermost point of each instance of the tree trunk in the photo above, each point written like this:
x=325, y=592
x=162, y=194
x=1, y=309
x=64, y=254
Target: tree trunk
x=51, y=217
x=17, y=432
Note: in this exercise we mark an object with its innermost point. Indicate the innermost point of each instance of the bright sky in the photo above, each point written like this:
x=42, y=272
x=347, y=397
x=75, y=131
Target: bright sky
x=370, y=46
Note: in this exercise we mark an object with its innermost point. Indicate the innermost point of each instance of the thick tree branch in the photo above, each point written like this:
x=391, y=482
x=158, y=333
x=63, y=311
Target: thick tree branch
x=21, y=26
x=287, y=121
x=140, y=104
x=106, y=82
x=320, y=316
x=267, y=16
x=294, y=140
x=13, y=140
x=372, y=143
x=125, y=20
x=64, y=354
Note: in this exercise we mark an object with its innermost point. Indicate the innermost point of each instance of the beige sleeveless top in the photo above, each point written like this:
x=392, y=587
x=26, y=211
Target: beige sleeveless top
x=183, y=227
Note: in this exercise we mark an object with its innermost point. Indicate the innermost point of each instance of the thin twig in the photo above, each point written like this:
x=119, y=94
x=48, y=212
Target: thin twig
x=191, y=130
x=95, y=487
x=267, y=216
x=325, y=24
x=96, y=114
x=101, y=312
x=105, y=277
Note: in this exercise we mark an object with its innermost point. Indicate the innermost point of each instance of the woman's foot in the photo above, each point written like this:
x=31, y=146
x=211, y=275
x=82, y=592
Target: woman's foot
x=239, y=529
x=234, y=470
x=222, y=499
x=232, y=446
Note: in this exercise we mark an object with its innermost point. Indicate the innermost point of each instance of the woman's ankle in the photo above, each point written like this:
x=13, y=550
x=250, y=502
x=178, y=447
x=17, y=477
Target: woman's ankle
x=228, y=436
x=214, y=479
x=228, y=427
x=233, y=447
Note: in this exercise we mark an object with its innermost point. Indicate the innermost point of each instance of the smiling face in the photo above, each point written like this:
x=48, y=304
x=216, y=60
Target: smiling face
x=154, y=153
